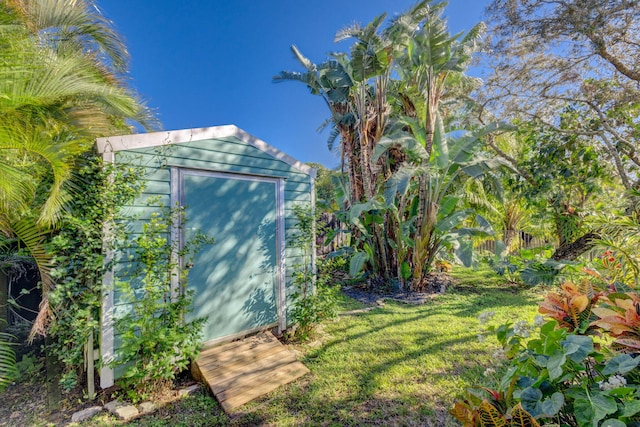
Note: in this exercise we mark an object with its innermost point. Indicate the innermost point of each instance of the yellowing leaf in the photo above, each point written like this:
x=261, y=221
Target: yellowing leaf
x=521, y=418
x=490, y=416
x=626, y=304
x=580, y=303
x=615, y=325
x=462, y=413
x=604, y=312
x=569, y=288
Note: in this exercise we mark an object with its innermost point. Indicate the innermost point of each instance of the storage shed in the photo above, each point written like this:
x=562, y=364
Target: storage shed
x=235, y=188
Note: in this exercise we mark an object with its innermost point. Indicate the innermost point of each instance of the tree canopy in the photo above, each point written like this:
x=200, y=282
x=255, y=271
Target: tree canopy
x=548, y=56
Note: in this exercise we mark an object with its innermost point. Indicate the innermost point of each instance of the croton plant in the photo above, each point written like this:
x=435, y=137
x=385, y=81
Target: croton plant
x=580, y=370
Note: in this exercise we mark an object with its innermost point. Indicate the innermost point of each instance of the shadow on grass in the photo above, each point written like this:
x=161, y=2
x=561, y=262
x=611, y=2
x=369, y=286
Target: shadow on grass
x=295, y=410
x=396, y=365
x=388, y=384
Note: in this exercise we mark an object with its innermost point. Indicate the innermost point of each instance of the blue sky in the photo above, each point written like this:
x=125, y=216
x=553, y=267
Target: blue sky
x=203, y=63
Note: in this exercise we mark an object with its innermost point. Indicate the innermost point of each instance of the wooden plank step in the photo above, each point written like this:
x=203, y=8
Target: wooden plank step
x=226, y=374
x=235, y=397
x=255, y=340
x=285, y=373
x=241, y=371
x=232, y=379
x=239, y=355
x=246, y=363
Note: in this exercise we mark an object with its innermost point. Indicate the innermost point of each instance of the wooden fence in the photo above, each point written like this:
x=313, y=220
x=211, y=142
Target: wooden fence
x=523, y=240
x=328, y=223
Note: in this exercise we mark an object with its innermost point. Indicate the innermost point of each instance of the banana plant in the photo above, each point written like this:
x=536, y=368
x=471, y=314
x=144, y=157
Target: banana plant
x=425, y=197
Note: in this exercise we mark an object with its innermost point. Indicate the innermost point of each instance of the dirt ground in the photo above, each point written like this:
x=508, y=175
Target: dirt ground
x=434, y=284
x=25, y=403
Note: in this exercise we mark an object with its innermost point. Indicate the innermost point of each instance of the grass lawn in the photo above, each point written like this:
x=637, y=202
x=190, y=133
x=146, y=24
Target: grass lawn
x=396, y=365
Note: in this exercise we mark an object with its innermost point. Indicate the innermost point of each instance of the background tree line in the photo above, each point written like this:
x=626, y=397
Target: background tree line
x=433, y=159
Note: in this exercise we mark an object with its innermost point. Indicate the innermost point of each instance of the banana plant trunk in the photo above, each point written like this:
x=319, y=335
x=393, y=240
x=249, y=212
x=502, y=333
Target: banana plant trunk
x=508, y=237
x=424, y=250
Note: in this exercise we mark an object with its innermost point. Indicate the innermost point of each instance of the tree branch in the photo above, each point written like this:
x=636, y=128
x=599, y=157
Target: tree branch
x=513, y=162
x=573, y=250
x=601, y=50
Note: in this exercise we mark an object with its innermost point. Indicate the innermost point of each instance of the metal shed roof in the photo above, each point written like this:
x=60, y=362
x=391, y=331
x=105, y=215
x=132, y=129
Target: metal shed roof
x=113, y=144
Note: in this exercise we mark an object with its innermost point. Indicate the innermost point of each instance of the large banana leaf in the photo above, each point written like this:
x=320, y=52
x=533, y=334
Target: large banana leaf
x=440, y=151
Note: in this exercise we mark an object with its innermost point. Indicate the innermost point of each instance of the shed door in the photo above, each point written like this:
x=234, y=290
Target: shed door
x=234, y=280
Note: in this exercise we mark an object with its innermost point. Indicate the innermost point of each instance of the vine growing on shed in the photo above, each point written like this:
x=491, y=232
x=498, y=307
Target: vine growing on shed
x=79, y=252
x=312, y=302
x=157, y=341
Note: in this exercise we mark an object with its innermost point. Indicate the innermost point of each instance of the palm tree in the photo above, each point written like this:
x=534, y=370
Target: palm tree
x=355, y=87
x=61, y=86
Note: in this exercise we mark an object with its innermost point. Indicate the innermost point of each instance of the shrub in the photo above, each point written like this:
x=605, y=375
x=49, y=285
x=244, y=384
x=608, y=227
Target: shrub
x=29, y=367
x=312, y=302
x=156, y=341
x=566, y=375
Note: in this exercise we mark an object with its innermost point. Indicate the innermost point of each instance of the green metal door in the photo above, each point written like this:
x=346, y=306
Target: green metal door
x=234, y=279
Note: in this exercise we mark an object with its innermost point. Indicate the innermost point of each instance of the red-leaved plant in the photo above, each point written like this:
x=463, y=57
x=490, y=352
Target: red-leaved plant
x=619, y=315
x=571, y=306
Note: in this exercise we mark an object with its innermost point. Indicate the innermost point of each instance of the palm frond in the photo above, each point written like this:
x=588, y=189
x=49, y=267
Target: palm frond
x=73, y=26
x=8, y=370
x=13, y=188
x=54, y=151
x=359, y=32
x=348, y=32
x=33, y=238
x=334, y=136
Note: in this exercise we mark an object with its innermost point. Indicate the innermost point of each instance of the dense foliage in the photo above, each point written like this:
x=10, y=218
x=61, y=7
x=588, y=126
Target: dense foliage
x=418, y=188
x=580, y=370
x=569, y=70
x=61, y=86
x=395, y=101
x=78, y=250
x=157, y=342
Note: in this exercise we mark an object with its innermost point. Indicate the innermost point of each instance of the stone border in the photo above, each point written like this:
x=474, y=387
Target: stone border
x=126, y=411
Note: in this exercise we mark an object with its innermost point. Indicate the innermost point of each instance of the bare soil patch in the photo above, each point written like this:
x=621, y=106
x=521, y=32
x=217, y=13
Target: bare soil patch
x=25, y=403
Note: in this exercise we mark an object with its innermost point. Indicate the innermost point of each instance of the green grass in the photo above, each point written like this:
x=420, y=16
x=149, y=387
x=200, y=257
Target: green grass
x=397, y=365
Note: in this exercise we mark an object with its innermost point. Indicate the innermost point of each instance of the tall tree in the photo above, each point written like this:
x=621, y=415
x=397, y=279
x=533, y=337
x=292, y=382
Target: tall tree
x=551, y=57
x=61, y=86
x=565, y=181
x=432, y=70
x=547, y=56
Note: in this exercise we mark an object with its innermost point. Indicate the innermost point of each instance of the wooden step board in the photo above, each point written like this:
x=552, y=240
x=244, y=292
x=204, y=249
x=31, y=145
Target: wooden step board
x=240, y=371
